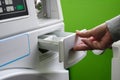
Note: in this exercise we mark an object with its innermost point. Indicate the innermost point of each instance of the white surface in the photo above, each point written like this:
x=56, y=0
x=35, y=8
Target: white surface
x=75, y=57
x=11, y=49
x=97, y=52
x=116, y=49
x=116, y=61
x=115, y=69
x=70, y=57
x=28, y=74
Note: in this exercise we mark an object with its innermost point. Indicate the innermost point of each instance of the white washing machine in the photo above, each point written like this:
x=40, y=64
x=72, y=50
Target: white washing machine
x=33, y=44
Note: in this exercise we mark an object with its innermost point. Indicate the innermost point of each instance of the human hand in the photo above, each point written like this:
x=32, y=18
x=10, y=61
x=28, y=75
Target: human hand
x=96, y=38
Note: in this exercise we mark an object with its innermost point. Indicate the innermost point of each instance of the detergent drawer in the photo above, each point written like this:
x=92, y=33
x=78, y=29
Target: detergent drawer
x=62, y=42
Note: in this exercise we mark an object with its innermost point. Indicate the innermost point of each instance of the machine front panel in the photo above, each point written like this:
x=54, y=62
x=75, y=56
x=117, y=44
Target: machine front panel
x=13, y=49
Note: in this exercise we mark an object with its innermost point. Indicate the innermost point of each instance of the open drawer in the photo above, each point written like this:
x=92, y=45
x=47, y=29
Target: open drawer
x=62, y=42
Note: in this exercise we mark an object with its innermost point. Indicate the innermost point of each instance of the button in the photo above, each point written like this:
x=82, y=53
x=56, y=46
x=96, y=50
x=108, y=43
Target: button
x=20, y=7
x=1, y=10
x=10, y=8
x=7, y=2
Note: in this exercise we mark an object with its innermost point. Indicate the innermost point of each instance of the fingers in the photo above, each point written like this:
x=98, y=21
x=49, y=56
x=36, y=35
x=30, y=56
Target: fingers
x=96, y=38
x=104, y=43
x=81, y=47
x=95, y=44
x=88, y=44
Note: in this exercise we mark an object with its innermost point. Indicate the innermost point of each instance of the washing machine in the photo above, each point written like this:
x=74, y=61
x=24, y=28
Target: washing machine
x=33, y=43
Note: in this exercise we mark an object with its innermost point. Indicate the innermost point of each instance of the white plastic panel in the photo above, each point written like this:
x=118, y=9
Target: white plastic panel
x=70, y=57
x=13, y=49
x=28, y=74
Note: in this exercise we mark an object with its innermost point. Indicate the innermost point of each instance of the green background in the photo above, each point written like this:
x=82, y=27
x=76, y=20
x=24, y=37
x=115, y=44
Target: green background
x=86, y=14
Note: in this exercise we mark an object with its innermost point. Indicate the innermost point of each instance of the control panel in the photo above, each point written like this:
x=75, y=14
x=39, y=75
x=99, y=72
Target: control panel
x=12, y=8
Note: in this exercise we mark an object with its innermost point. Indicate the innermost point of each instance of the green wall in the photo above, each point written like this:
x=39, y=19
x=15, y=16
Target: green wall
x=86, y=14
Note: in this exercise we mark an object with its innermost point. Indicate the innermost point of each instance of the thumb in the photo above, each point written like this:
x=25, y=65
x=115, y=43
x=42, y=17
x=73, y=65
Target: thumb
x=86, y=33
